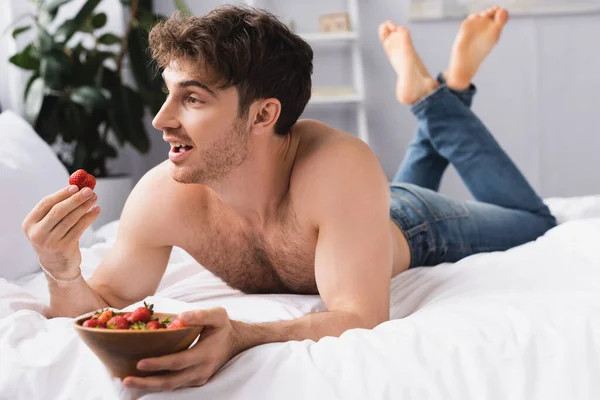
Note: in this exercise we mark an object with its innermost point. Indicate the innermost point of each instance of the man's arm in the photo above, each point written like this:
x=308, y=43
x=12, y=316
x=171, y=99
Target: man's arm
x=354, y=255
x=131, y=270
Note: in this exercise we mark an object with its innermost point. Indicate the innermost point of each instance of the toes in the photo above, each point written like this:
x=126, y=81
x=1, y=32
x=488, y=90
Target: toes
x=489, y=13
x=501, y=16
x=402, y=30
x=385, y=29
x=391, y=26
x=383, y=32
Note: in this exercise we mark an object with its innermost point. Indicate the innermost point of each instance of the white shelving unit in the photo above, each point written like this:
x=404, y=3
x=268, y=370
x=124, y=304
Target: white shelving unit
x=354, y=94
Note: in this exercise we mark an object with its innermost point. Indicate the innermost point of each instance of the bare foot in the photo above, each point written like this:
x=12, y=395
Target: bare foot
x=478, y=35
x=414, y=82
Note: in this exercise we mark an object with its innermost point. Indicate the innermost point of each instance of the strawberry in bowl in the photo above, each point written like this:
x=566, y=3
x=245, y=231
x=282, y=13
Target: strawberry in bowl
x=122, y=339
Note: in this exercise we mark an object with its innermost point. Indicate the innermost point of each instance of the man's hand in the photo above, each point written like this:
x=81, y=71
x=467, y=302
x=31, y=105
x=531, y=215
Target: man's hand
x=56, y=224
x=217, y=344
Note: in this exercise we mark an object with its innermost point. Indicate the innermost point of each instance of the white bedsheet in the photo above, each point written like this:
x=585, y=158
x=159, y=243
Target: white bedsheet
x=522, y=324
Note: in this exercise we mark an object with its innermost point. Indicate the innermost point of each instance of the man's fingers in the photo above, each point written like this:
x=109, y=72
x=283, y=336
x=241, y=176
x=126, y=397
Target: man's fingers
x=173, y=362
x=62, y=209
x=211, y=316
x=46, y=204
x=84, y=222
x=187, y=377
x=61, y=229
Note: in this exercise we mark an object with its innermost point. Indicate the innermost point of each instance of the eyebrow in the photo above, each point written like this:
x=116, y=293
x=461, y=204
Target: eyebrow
x=191, y=82
x=201, y=85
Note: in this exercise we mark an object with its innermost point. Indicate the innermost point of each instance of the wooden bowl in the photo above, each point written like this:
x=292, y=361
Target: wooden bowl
x=121, y=349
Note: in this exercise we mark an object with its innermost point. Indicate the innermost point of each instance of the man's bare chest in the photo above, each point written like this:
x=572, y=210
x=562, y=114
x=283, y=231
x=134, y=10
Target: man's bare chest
x=278, y=260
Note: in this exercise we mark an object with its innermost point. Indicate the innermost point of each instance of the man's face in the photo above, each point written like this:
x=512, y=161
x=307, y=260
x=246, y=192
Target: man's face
x=205, y=119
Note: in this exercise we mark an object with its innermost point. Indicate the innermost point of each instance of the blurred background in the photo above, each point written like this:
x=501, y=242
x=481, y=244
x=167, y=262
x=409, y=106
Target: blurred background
x=537, y=91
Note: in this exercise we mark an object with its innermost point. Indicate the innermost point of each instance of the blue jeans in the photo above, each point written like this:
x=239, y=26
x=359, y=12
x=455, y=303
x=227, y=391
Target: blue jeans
x=507, y=211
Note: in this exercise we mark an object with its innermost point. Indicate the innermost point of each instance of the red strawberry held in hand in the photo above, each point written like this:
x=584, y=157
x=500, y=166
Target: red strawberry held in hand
x=118, y=322
x=142, y=314
x=90, y=181
x=82, y=179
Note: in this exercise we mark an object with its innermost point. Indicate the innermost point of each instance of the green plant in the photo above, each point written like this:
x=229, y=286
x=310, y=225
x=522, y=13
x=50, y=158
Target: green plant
x=77, y=92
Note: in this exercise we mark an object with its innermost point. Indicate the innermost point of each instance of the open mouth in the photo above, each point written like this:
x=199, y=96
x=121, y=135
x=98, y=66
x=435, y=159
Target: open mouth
x=181, y=148
x=179, y=151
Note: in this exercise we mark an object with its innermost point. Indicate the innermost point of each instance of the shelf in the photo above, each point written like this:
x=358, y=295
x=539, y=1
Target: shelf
x=327, y=38
x=334, y=95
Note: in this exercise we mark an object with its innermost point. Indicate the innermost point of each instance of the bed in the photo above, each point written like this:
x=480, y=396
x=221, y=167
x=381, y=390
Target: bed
x=521, y=324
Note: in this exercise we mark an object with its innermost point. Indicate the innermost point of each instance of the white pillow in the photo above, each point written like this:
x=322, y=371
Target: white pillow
x=29, y=171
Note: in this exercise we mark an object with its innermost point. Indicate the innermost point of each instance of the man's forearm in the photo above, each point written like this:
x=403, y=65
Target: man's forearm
x=73, y=299
x=312, y=326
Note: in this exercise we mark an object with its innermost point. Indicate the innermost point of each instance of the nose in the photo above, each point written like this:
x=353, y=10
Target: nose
x=166, y=118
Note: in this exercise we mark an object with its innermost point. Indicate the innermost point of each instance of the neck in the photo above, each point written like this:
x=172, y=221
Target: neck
x=256, y=188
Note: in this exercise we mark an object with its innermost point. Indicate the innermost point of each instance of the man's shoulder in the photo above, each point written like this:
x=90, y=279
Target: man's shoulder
x=156, y=201
x=154, y=188
x=333, y=166
x=328, y=152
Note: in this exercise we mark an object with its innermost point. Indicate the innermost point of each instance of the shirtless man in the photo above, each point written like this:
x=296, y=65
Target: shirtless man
x=271, y=204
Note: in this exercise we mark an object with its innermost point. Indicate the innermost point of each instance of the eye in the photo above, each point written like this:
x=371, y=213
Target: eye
x=193, y=100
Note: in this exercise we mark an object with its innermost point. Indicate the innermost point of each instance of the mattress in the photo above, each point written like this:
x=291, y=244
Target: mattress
x=519, y=324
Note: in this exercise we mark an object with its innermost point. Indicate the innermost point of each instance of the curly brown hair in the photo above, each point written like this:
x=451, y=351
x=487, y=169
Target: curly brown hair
x=244, y=47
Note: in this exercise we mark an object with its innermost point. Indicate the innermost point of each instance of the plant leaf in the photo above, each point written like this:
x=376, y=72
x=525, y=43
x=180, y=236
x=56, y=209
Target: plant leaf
x=125, y=115
x=138, y=137
x=63, y=30
x=45, y=40
x=89, y=97
x=137, y=42
x=47, y=122
x=52, y=5
x=80, y=156
x=34, y=100
x=55, y=69
x=148, y=82
x=153, y=99
x=147, y=20
x=108, y=150
x=32, y=78
x=27, y=59
x=146, y=4
x=182, y=8
x=109, y=38
x=71, y=119
x=45, y=18
x=99, y=20
x=80, y=19
x=20, y=30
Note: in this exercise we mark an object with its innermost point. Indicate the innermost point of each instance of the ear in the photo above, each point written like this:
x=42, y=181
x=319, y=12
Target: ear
x=267, y=114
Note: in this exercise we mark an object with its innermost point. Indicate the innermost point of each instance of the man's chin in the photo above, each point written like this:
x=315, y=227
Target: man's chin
x=181, y=174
